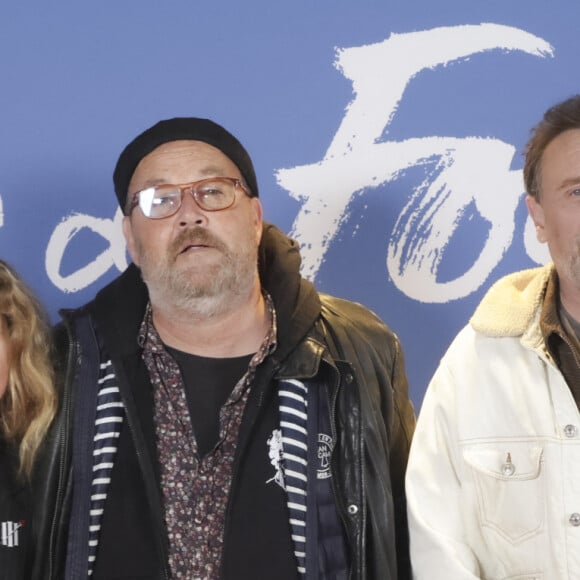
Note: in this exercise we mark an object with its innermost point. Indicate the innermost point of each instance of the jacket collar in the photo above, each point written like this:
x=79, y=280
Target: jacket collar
x=512, y=303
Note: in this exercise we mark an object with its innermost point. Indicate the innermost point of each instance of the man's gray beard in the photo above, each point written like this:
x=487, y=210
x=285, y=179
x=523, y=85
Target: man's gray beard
x=219, y=288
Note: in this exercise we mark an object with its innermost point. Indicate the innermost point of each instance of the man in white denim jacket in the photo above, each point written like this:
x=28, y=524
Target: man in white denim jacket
x=493, y=483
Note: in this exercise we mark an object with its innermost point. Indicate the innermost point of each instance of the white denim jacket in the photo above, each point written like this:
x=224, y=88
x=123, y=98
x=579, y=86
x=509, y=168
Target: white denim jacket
x=493, y=482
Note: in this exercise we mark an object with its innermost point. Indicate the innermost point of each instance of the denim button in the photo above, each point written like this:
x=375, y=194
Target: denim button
x=508, y=468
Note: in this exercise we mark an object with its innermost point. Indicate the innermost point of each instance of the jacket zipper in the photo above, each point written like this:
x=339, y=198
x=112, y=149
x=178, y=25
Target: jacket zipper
x=63, y=444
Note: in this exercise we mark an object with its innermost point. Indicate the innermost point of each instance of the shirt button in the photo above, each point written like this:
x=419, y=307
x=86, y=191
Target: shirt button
x=508, y=468
x=570, y=431
x=575, y=519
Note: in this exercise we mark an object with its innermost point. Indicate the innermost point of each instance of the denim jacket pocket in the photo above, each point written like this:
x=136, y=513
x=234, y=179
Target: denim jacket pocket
x=509, y=487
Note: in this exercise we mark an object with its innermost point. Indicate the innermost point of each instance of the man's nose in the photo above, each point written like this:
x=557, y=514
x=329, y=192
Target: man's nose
x=189, y=212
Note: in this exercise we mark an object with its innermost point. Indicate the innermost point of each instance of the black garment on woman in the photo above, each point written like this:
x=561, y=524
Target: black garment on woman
x=15, y=522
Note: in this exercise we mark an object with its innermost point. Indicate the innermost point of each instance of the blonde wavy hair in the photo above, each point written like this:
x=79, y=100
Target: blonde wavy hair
x=29, y=403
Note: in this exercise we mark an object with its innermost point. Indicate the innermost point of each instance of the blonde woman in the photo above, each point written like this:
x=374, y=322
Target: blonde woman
x=27, y=405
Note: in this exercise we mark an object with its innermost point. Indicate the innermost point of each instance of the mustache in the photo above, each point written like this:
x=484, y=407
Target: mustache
x=196, y=236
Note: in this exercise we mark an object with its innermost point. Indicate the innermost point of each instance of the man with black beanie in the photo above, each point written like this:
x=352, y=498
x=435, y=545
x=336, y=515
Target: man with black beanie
x=219, y=417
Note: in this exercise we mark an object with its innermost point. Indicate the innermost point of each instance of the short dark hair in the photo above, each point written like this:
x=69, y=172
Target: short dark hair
x=558, y=119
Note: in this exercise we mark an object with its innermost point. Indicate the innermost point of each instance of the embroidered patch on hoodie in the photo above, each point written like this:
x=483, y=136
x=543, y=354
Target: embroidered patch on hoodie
x=275, y=454
x=9, y=535
x=325, y=446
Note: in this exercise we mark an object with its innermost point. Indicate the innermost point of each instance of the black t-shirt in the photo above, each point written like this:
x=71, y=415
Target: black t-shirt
x=208, y=384
x=15, y=521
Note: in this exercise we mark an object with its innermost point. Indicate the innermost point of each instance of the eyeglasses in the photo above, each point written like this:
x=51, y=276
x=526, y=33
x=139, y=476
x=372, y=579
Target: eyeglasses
x=213, y=194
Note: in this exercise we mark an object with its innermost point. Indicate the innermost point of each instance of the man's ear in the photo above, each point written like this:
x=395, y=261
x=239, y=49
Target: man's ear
x=129, y=239
x=258, y=218
x=536, y=212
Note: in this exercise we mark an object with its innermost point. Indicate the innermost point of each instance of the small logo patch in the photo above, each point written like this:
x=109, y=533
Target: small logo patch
x=324, y=452
x=275, y=454
x=9, y=533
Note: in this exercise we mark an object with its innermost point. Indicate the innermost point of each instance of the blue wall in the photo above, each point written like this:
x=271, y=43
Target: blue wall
x=387, y=137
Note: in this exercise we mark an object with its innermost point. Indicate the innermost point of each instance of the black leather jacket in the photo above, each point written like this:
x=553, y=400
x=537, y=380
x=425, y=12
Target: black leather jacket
x=372, y=417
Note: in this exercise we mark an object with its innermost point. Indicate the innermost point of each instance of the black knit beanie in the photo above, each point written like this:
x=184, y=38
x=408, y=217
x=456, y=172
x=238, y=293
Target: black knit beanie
x=181, y=128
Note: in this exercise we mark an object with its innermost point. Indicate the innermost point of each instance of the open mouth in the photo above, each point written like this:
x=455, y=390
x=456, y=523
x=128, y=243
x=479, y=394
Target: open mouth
x=189, y=247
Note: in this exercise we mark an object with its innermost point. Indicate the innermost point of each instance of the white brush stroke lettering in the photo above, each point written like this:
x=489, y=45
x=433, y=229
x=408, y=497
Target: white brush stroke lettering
x=358, y=158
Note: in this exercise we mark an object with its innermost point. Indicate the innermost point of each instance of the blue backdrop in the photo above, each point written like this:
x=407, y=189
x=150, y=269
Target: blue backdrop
x=387, y=137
